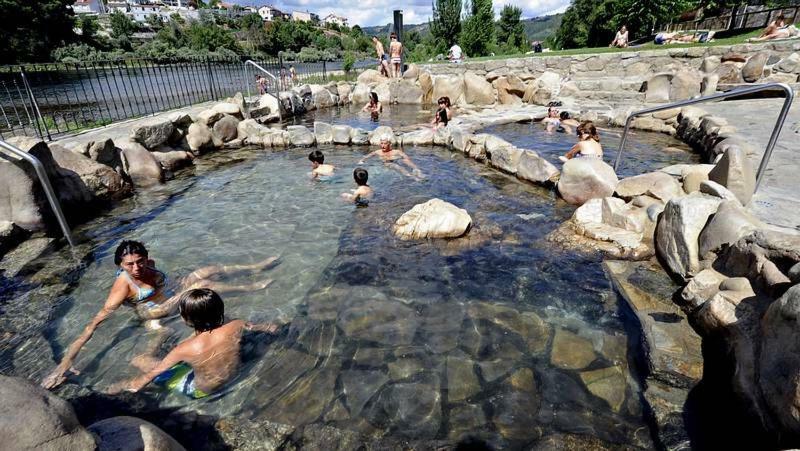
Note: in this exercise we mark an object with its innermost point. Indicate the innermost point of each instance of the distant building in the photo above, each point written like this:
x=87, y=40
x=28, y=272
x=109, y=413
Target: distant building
x=87, y=7
x=140, y=12
x=270, y=13
x=334, y=19
x=301, y=16
x=116, y=5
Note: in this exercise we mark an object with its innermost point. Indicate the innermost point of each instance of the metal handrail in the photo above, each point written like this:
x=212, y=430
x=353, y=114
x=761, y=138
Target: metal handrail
x=787, y=103
x=48, y=188
x=277, y=83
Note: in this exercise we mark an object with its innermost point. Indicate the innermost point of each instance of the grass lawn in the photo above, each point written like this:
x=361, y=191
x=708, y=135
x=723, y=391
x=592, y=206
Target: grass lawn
x=733, y=40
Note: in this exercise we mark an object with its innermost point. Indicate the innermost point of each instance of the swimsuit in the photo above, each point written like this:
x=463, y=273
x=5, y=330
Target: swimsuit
x=142, y=294
x=442, y=116
x=361, y=201
x=396, y=60
x=180, y=378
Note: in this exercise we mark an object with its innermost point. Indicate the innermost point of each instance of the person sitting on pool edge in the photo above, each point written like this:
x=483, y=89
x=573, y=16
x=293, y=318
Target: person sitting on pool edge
x=139, y=284
x=363, y=192
x=204, y=362
x=443, y=113
x=389, y=155
x=588, y=145
x=318, y=166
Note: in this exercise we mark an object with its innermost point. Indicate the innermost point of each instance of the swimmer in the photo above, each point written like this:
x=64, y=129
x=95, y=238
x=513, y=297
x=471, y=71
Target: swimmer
x=552, y=121
x=201, y=364
x=374, y=106
x=443, y=113
x=363, y=192
x=588, y=145
x=567, y=122
x=396, y=156
x=143, y=287
x=318, y=166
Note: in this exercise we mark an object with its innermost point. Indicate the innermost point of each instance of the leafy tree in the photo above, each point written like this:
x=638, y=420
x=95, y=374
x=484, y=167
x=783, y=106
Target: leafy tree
x=356, y=31
x=446, y=22
x=349, y=61
x=122, y=25
x=204, y=36
x=34, y=28
x=478, y=35
x=510, y=31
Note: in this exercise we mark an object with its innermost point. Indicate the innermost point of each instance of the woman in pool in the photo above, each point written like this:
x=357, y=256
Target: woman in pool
x=374, y=106
x=140, y=285
x=588, y=145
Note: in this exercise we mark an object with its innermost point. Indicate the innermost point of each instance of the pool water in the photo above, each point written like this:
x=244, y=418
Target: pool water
x=499, y=335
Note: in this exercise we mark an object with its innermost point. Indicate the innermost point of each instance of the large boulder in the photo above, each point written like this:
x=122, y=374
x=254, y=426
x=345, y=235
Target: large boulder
x=543, y=89
x=657, y=184
x=412, y=73
x=729, y=224
x=657, y=88
x=533, y=168
x=252, y=132
x=359, y=136
x=753, y=70
x=208, y=117
x=32, y=418
x=266, y=105
x=426, y=85
x=228, y=108
x=370, y=76
x=22, y=200
x=478, y=91
x=422, y=137
x=407, y=92
x=323, y=132
x=685, y=84
x=140, y=164
x=92, y=181
x=200, y=138
x=172, y=160
x=508, y=90
x=790, y=64
x=361, y=94
x=153, y=133
x=380, y=133
x=226, y=128
x=343, y=90
x=324, y=99
x=451, y=86
x=586, y=178
x=734, y=171
x=433, y=219
x=132, y=434
x=779, y=363
x=300, y=136
x=729, y=73
x=678, y=232
x=341, y=134
x=502, y=154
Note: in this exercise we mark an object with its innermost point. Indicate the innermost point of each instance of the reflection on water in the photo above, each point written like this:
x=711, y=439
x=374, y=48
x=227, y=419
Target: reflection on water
x=499, y=335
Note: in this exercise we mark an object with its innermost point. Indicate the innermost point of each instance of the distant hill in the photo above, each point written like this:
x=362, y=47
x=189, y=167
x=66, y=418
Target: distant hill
x=538, y=28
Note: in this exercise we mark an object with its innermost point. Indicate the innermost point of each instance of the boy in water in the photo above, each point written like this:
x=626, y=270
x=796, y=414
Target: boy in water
x=204, y=362
x=363, y=192
x=318, y=166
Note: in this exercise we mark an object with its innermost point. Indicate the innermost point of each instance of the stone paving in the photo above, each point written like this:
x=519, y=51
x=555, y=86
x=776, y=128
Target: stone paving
x=776, y=201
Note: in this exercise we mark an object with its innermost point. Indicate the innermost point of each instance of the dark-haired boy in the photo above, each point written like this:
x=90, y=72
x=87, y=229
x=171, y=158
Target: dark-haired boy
x=318, y=166
x=363, y=192
x=204, y=362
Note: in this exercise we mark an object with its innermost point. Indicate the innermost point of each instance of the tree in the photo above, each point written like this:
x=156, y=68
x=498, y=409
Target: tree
x=510, y=31
x=121, y=25
x=478, y=35
x=446, y=23
x=32, y=29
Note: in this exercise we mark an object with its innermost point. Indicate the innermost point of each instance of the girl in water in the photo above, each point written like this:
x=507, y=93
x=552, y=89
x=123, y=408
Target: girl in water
x=374, y=106
x=588, y=143
x=141, y=286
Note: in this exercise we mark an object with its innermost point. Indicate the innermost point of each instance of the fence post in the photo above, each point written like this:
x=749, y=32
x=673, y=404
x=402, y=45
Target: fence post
x=281, y=74
x=210, y=79
x=324, y=71
x=37, y=114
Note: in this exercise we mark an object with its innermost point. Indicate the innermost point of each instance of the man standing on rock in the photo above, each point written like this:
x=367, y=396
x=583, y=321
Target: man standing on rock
x=383, y=57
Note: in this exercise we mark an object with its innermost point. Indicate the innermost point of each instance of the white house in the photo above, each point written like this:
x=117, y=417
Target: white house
x=270, y=13
x=116, y=5
x=87, y=7
x=141, y=12
x=334, y=19
x=306, y=16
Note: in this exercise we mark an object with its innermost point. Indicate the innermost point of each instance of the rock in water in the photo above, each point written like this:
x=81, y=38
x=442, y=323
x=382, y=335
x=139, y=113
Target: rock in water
x=132, y=434
x=571, y=351
x=735, y=172
x=141, y=165
x=153, y=134
x=586, y=178
x=679, y=230
x=32, y=418
x=433, y=219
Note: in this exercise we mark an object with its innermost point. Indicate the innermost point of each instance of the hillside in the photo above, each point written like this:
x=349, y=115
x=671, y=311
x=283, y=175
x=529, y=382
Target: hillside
x=538, y=28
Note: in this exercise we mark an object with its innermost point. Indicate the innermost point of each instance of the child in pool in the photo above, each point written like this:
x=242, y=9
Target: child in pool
x=318, y=166
x=204, y=362
x=363, y=192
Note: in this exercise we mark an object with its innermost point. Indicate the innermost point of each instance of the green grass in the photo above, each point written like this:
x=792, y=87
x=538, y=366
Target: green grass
x=733, y=40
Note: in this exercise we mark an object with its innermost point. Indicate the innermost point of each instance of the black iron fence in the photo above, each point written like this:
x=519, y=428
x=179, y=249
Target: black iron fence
x=54, y=99
x=740, y=17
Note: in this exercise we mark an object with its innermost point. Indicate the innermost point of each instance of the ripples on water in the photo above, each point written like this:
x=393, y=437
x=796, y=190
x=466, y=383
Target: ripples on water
x=414, y=340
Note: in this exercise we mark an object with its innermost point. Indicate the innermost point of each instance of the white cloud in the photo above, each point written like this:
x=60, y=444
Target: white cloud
x=379, y=12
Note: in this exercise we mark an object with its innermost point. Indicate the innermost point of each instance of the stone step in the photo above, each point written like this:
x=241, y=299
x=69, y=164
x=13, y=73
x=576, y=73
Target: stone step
x=609, y=84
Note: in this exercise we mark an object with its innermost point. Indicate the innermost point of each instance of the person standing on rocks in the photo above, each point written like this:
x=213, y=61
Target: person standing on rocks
x=396, y=52
x=140, y=285
x=383, y=57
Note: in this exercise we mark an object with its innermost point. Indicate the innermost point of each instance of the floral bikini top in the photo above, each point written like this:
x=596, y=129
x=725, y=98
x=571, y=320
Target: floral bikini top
x=142, y=293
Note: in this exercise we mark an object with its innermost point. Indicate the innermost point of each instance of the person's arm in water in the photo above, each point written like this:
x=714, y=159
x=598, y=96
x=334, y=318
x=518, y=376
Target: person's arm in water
x=369, y=155
x=118, y=294
x=269, y=328
x=177, y=355
x=409, y=163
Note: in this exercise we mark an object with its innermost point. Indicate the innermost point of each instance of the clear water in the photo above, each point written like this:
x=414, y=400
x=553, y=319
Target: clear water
x=409, y=340
x=644, y=151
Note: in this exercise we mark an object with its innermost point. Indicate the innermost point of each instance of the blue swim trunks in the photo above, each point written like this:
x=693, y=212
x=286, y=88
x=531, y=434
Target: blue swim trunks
x=180, y=378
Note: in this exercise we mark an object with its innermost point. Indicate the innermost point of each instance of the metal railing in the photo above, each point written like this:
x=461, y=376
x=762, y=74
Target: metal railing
x=48, y=188
x=275, y=85
x=787, y=103
x=739, y=17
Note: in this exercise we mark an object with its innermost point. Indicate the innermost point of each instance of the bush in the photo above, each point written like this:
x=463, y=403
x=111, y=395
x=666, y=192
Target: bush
x=74, y=53
x=349, y=61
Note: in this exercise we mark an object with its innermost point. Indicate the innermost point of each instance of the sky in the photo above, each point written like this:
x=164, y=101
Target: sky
x=379, y=12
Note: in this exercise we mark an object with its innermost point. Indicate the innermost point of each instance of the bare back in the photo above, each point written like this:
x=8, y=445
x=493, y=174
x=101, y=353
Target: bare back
x=590, y=148
x=214, y=355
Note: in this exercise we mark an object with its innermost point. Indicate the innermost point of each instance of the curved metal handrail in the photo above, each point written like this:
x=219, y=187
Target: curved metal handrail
x=277, y=82
x=48, y=188
x=787, y=103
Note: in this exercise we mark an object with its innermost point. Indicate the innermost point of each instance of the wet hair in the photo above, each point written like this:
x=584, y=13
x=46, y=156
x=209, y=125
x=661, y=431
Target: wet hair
x=129, y=247
x=316, y=157
x=360, y=175
x=373, y=97
x=202, y=309
x=393, y=35
x=588, y=128
x=564, y=115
